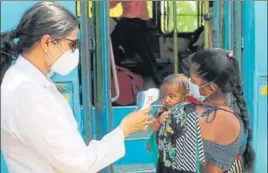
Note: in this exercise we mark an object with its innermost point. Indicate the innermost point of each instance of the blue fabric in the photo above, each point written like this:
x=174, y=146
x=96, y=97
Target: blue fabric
x=154, y=147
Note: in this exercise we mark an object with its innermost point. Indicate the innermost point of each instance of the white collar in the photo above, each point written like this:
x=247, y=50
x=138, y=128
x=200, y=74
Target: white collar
x=28, y=68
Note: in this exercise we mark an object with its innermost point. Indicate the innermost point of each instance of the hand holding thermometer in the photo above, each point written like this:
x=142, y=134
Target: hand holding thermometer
x=146, y=98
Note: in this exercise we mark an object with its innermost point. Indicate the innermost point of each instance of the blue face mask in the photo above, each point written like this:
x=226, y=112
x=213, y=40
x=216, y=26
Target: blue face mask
x=194, y=91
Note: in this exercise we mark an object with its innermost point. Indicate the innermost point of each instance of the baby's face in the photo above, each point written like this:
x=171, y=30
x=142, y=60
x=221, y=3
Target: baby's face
x=171, y=94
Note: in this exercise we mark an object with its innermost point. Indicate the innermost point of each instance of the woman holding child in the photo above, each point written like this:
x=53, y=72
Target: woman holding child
x=206, y=136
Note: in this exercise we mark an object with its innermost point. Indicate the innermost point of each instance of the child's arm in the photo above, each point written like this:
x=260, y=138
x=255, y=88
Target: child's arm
x=156, y=123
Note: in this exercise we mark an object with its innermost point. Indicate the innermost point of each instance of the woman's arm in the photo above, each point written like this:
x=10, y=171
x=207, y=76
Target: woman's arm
x=48, y=129
x=213, y=169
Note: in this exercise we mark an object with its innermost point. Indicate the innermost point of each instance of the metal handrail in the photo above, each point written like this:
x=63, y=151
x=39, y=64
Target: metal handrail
x=175, y=37
x=115, y=78
x=85, y=70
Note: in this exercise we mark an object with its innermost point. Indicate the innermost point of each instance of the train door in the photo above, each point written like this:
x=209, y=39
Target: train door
x=255, y=75
x=245, y=32
x=172, y=28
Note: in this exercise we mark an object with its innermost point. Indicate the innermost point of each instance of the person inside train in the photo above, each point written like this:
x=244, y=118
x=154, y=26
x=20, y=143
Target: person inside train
x=132, y=25
x=39, y=133
x=174, y=91
x=214, y=73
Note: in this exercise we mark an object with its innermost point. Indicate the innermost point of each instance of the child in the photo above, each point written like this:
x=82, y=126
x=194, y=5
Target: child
x=173, y=91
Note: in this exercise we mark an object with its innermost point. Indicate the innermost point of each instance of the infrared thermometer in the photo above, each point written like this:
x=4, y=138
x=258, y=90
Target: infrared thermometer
x=146, y=98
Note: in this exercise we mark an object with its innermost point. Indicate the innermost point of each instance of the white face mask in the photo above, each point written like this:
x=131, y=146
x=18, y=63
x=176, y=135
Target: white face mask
x=194, y=91
x=66, y=62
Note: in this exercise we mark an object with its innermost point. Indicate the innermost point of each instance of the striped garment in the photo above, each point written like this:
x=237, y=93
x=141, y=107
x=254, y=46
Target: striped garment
x=237, y=167
x=186, y=153
x=178, y=138
x=185, y=150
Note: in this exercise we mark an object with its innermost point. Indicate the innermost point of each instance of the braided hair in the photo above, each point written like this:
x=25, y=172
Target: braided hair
x=222, y=68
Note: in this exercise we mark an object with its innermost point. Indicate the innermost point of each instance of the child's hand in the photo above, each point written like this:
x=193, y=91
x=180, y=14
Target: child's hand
x=163, y=117
x=156, y=122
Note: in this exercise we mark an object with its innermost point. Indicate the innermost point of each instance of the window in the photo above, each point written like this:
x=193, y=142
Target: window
x=114, y=12
x=117, y=11
x=187, y=15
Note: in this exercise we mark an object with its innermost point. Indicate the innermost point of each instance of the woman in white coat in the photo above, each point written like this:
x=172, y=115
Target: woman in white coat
x=38, y=130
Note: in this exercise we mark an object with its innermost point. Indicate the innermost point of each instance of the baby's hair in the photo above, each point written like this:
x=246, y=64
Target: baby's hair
x=179, y=79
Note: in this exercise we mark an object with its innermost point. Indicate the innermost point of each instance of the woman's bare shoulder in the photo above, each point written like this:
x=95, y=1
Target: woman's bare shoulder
x=225, y=127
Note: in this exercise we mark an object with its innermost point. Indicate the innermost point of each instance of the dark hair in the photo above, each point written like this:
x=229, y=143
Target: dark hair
x=179, y=79
x=41, y=19
x=218, y=66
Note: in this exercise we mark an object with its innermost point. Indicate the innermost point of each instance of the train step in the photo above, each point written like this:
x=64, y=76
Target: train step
x=135, y=168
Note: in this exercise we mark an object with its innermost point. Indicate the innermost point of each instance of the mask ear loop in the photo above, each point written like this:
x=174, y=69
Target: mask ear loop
x=207, y=96
x=48, y=55
x=186, y=97
x=211, y=83
x=58, y=46
x=205, y=85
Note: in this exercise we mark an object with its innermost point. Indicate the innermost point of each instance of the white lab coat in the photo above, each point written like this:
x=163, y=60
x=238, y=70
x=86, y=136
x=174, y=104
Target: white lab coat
x=38, y=130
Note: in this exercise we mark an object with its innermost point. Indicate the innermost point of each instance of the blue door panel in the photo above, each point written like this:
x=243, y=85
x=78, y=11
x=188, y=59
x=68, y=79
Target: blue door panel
x=260, y=87
x=260, y=127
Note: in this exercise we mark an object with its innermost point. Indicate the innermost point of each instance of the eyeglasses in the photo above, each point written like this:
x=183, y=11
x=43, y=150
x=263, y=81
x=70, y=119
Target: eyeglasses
x=74, y=44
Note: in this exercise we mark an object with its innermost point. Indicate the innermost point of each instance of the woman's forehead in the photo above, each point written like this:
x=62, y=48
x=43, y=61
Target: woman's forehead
x=73, y=34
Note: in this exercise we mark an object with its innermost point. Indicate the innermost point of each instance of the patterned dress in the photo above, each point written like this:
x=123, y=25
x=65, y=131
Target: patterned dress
x=180, y=144
x=179, y=140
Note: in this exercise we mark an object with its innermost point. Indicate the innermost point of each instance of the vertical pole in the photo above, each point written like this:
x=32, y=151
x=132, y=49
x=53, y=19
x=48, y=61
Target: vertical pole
x=85, y=69
x=97, y=70
x=238, y=32
x=105, y=67
x=227, y=28
x=198, y=13
x=221, y=30
x=175, y=45
x=216, y=7
x=206, y=22
x=107, y=72
x=231, y=25
x=227, y=38
x=102, y=75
